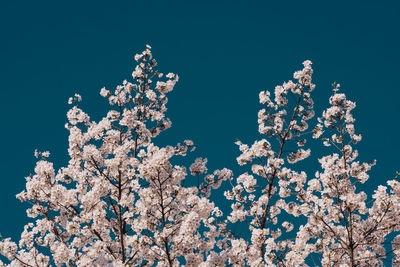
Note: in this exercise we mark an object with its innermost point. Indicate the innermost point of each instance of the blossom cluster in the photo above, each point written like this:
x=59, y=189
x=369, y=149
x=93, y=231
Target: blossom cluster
x=120, y=200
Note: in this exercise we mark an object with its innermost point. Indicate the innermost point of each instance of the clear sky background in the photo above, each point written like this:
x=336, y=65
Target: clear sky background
x=225, y=53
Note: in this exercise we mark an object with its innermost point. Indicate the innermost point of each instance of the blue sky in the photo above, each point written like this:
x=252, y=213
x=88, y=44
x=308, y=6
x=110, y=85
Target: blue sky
x=225, y=53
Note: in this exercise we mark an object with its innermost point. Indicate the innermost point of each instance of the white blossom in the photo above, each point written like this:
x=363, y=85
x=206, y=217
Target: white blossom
x=122, y=200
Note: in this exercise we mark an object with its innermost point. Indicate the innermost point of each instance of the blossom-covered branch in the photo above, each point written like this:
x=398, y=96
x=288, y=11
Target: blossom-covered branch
x=120, y=201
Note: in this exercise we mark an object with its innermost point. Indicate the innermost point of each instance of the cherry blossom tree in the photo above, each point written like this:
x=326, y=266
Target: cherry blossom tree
x=342, y=225
x=260, y=197
x=121, y=202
